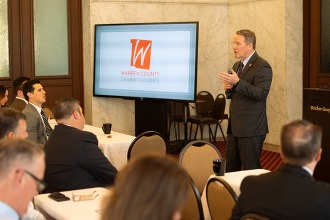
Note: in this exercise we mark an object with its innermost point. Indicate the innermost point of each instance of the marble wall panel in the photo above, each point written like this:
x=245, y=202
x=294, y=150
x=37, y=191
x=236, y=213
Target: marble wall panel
x=212, y=55
x=277, y=24
x=294, y=60
x=274, y=23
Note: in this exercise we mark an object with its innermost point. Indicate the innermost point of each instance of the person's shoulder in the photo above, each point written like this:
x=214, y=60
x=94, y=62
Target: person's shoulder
x=31, y=113
x=324, y=186
x=29, y=108
x=261, y=60
x=91, y=136
x=253, y=180
x=87, y=134
x=250, y=180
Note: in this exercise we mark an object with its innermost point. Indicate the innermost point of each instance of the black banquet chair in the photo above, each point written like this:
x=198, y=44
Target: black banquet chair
x=204, y=108
x=176, y=117
x=209, y=113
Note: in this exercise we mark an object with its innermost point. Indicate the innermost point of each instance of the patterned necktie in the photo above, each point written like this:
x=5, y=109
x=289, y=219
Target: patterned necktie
x=47, y=126
x=240, y=68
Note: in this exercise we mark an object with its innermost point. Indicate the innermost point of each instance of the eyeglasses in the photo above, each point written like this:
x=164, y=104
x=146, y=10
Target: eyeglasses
x=40, y=183
x=77, y=198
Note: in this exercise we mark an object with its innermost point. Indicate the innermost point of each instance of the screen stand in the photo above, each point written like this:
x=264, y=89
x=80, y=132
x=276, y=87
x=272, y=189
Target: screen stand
x=151, y=115
x=186, y=106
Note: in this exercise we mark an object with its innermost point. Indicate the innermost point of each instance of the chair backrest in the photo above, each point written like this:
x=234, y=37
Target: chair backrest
x=197, y=159
x=204, y=103
x=193, y=209
x=220, y=197
x=219, y=106
x=254, y=216
x=147, y=142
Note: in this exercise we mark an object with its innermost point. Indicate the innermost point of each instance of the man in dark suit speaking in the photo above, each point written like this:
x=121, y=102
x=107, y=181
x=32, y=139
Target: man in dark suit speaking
x=73, y=158
x=291, y=191
x=248, y=87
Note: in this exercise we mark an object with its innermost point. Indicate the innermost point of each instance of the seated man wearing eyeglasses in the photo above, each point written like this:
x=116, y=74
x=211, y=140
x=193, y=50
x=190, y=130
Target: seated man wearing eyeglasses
x=22, y=166
x=13, y=125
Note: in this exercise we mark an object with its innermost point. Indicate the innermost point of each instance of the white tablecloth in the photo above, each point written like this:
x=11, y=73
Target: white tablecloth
x=114, y=148
x=70, y=210
x=234, y=179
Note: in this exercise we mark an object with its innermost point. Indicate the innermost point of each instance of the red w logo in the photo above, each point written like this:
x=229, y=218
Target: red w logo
x=141, y=53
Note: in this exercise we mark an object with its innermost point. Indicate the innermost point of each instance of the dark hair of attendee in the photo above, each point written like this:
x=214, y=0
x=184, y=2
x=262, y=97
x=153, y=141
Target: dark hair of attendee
x=64, y=107
x=300, y=142
x=148, y=187
x=9, y=118
x=249, y=37
x=28, y=87
x=3, y=90
x=18, y=83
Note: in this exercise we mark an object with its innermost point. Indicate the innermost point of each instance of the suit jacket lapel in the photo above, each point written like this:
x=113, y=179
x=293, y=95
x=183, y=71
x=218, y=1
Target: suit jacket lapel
x=246, y=68
x=43, y=129
x=249, y=64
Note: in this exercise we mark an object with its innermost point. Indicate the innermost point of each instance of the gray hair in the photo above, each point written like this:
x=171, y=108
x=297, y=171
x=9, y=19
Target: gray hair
x=300, y=142
x=249, y=37
x=17, y=150
x=9, y=118
x=64, y=107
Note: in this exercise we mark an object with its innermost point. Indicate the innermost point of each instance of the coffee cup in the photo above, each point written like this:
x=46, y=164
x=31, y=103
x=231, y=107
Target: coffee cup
x=106, y=127
x=219, y=167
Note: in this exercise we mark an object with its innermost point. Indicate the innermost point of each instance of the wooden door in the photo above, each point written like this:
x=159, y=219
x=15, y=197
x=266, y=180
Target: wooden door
x=22, y=45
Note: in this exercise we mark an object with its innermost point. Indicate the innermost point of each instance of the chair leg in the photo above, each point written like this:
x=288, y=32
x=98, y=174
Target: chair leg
x=191, y=128
x=198, y=126
x=177, y=129
x=201, y=128
x=215, y=133
x=223, y=135
x=176, y=126
x=191, y=124
x=211, y=136
x=169, y=131
x=216, y=129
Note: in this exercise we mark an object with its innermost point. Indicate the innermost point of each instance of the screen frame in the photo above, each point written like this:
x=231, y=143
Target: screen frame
x=170, y=98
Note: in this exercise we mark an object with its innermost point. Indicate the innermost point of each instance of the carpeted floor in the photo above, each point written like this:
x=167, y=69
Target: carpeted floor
x=269, y=160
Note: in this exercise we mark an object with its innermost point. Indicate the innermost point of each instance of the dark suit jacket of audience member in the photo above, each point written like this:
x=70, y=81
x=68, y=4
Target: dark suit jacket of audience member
x=35, y=126
x=74, y=161
x=18, y=104
x=288, y=193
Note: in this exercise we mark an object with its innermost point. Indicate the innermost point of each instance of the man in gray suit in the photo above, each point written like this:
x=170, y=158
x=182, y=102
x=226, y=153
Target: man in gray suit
x=248, y=87
x=20, y=102
x=37, y=127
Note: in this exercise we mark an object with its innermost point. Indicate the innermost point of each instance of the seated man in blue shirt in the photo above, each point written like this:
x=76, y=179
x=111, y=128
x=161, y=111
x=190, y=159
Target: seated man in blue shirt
x=22, y=166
